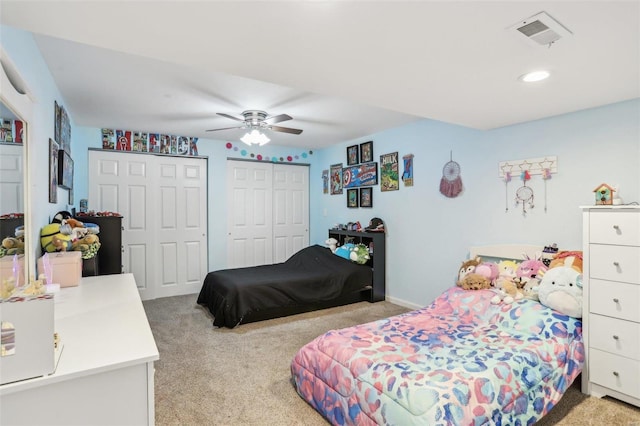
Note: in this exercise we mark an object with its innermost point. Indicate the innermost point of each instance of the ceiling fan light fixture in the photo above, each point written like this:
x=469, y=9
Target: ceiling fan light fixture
x=534, y=76
x=255, y=137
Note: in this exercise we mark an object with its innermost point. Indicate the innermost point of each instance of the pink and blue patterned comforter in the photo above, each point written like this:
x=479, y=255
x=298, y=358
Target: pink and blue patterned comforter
x=459, y=361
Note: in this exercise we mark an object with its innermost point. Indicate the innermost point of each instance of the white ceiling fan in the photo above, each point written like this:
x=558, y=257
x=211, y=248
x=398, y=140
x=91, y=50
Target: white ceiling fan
x=256, y=121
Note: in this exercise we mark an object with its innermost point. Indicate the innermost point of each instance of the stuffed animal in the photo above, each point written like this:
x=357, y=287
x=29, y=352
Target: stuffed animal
x=52, y=240
x=530, y=290
x=560, y=258
x=530, y=268
x=7, y=288
x=473, y=281
x=507, y=291
x=85, y=243
x=13, y=245
x=561, y=289
x=489, y=270
x=468, y=266
x=332, y=243
x=507, y=268
x=358, y=253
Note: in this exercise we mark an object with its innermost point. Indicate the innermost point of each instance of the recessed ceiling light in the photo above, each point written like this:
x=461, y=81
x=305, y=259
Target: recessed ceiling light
x=535, y=76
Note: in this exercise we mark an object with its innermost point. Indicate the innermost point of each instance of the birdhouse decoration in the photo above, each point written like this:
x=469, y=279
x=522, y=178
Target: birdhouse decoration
x=604, y=195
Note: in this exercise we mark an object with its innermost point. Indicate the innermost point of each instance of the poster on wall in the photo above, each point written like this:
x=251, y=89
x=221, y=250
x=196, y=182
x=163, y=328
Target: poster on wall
x=336, y=178
x=154, y=142
x=53, y=171
x=325, y=181
x=360, y=175
x=407, y=175
x=389, y=176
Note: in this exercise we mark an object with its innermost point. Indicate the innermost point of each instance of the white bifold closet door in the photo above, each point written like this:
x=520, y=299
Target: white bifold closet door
x=267, y=212
x=163, y=201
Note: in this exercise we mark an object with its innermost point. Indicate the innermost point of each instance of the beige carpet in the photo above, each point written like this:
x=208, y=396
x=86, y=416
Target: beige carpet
x=208, y=376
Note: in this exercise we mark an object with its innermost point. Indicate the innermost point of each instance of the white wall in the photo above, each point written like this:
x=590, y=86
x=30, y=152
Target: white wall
x=428, y=235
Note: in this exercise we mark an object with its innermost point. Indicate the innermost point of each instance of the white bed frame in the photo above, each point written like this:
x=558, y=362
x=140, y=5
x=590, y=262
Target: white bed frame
x=505, y=251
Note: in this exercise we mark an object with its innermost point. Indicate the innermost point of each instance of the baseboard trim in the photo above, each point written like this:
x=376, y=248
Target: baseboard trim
x=403, y=303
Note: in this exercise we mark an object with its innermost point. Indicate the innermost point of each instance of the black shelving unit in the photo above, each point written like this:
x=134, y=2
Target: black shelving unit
x=110, y=253
x=376, y=243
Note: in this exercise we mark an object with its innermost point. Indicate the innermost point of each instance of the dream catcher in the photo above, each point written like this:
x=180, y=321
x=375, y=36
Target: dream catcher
x=451, y=183
x=524, y=194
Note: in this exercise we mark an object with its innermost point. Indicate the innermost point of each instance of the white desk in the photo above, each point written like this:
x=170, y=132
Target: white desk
x=105, y=373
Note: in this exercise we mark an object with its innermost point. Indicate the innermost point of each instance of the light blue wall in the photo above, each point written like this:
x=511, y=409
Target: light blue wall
x=428, y=235
x=22, y=50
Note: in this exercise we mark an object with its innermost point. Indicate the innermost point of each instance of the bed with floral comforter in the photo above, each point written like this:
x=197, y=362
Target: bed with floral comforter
x=459, y=361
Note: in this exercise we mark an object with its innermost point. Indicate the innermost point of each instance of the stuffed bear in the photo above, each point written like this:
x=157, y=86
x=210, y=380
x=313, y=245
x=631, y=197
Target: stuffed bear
x=530, y=289
x=85, y=243
x=561, y=289
x=473, y=281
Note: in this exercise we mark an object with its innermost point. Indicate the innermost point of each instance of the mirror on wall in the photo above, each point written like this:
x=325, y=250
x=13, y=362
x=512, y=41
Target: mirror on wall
x=12, y=210
x=15, y=114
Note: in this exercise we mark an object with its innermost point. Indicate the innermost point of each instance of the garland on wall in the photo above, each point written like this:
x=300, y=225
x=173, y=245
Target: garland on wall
x=289, y=158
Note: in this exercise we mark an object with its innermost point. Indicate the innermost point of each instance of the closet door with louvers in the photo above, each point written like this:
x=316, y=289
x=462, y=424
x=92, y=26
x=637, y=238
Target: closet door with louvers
x=163, y=201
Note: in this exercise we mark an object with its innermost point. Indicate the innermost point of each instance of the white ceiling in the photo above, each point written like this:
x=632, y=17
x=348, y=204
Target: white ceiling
x=341, y=69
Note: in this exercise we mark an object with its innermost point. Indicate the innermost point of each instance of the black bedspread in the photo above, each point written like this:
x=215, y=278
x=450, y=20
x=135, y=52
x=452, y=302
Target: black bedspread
x=312, y=275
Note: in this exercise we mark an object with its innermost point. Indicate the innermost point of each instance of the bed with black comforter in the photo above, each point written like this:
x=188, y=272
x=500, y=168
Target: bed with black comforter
x=313, y=278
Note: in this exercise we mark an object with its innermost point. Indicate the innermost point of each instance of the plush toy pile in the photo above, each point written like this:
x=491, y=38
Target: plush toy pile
x=358, y=253
x=65, y=233
x=558, y=286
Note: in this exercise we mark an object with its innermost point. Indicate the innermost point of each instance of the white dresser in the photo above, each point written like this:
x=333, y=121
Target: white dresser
x=105, y=375
x=611, y=312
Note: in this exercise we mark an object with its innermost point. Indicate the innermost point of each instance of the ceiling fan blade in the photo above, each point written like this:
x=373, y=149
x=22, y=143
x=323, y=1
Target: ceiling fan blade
x=278, y=118
x=230, y=116
x=224, y=128
x=285, y=130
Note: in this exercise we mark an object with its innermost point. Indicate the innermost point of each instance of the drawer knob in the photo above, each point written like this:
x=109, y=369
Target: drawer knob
x=616, y=300
x=615, y=337
x=616, y=263
x=615, y=373
x=616, y=227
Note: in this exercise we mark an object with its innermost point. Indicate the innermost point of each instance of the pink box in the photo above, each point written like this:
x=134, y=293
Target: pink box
x=10, y=266
x=66, y=267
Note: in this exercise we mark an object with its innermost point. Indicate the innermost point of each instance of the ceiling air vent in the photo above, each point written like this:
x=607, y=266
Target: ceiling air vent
x=542, y=29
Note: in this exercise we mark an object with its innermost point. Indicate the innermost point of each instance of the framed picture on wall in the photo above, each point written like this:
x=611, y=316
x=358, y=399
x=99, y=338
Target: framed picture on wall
x=366, y=152
x=352, y=155
x=366, y=197
x=335, y=174
x=53, y=171
x=352, y=197
x=65, y=169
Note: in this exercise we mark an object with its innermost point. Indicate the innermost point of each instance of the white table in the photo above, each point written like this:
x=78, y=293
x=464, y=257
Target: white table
x=105, y=375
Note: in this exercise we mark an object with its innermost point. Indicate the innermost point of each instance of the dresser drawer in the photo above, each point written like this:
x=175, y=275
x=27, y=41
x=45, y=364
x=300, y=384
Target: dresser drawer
x=615, y=372
x=616, y=263
x=620, y=227
x=615, y=336
x=619, y=300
